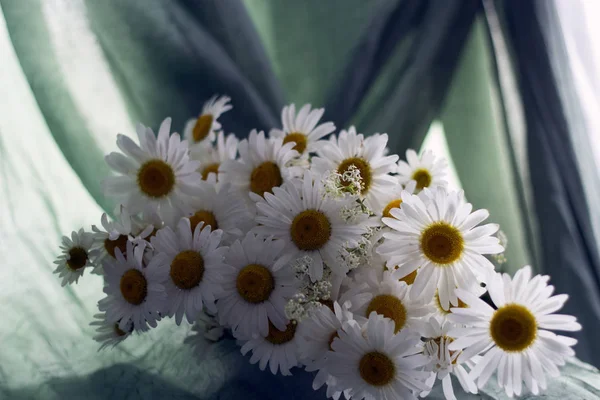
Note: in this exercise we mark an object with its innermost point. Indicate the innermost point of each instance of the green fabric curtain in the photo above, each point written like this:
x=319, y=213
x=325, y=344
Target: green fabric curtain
x=482, y=151
x=76, y=72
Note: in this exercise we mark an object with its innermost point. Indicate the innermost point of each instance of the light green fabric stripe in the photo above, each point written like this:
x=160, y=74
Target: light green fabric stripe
x=42, y=198
x=37, y=55
x=479, y=148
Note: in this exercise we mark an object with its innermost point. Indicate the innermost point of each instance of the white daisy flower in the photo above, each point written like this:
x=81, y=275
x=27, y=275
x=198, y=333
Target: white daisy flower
x=109, y=333
x=155, y=176
x=116, y=234
x=310, y=223
x=201, y=130
x=373, y=362
x=315, y=335
x=221, y=207
x=442, y=361
x=212, y=156
x=377, y=265
x=194, y=261
x=350, y=149
x=302, y=129
x=76, y=255
x=278, y=349
x=426, y=171
x=442, y=312
x=390, y=298
x=440, y=238
x=262, y=165
x=254, y=292
x=515, y=338
x=133, y=291
x=392, y=199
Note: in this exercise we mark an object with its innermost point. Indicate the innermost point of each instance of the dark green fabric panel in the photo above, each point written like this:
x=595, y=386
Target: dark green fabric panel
x=404, y=84
x=480, y=150
x=169, y=60
x=310, y=41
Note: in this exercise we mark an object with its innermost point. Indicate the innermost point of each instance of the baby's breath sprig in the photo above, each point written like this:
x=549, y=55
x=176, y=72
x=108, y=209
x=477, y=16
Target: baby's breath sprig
x=339, y=185
x=500, y=258
x=311, y=295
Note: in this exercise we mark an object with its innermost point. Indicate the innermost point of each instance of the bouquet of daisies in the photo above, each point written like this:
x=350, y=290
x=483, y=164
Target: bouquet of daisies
x=316, y=252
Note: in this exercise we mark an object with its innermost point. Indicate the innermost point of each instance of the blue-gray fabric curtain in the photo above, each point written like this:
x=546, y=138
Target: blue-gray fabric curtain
x=569, y=249
x=386, y=65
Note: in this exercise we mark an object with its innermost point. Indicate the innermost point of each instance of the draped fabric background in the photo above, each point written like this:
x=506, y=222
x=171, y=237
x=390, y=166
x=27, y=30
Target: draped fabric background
x=76, y=72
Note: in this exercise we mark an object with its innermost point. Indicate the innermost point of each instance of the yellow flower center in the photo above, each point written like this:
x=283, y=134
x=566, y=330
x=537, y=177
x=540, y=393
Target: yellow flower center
x=328, y=303
x=119, y=331
x=134, y=287
x=377, y=369
x=202, y=127
x=298, y=138
x=438, y=303
x=390, y=307
x=392, y=204
x=276, y=336
x=410, y=278
x=438, y=341
x=120, y=243
x=422, y=177
x=442, y=243
x=187, y=269
x=310, y=230
x=255, y=283
x=363, y=168
x=332, y=338
x=156, y=178
x=265, y=177
x=214, y=168
x=77, y=258
x=513, y=328
x=203, y=216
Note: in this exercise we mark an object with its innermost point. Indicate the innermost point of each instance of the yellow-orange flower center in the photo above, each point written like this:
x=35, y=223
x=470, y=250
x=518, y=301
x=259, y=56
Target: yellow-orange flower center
x=119, y=331
x=376, y=368
x=410, y=278
x=278, y=337
x=77, y=258
x=203, y=216
x=390, y=307
x=214, y=168
x=187, y=269
x=364, y=169
x=392, y=204
x=119, y=243
x=513, y=328
x=299, y=139
x=438, y=342
x=422, y=177
x=438, y=303
x=202, y=127
x=265, y=177
x=255, y=283
x=310, y=230
x=156, y=178
x=442, y=243
x=328, y=303
x=134, y=287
